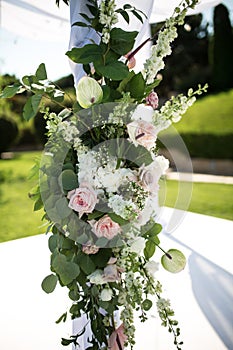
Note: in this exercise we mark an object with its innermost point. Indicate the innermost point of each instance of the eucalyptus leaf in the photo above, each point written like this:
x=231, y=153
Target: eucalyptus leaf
x=69, y=180
x=66, y=270
x=174, y=261
x=49, y=283
x=62, y=208
x=52, y=243
x=86, y=264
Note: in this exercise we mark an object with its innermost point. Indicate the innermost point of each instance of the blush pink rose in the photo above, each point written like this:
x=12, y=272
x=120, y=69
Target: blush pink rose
x=116, y=338
x=106, y=227
x=152, y=100
x=82, y=199
x=143, y=133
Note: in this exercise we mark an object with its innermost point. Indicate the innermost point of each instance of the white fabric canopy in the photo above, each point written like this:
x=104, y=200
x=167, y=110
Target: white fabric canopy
x=42, y=20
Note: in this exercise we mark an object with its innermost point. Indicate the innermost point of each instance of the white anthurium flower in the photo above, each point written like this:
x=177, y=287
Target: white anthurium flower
x=88, y=92
x=96, y=277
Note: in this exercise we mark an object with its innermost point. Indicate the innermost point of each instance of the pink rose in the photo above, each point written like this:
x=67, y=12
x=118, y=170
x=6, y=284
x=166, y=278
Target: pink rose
x=105, y=227
x=82, y=199
x=117, y=337
x=131, y=62
x=90, y=249
x=152, y=100
x=143, y=133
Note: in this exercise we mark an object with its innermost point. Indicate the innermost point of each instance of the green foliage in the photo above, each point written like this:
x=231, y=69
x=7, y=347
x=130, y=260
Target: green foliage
x=49, y=283
x=121, y=41
x=66, y=270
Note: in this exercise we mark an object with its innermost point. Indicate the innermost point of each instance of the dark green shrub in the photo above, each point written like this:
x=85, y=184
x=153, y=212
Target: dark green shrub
x=205, y=145
x=27, y=137
x=40, y=128
x=8, y=133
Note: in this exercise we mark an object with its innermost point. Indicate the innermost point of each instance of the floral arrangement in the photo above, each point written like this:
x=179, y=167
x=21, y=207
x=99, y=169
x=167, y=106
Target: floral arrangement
x=99, y=178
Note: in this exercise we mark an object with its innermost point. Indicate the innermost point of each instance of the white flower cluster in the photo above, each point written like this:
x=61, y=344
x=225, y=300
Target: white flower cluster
x=119, y=113
x=68, y=130
x=125, y=208
x=53, y=120
x=108, y=18
x=159, y=51
x=163, y=46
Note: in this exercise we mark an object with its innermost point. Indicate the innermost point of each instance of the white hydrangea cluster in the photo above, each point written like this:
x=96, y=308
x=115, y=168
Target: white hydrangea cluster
x=108, y=18
x=87, y=161
x=125, y=208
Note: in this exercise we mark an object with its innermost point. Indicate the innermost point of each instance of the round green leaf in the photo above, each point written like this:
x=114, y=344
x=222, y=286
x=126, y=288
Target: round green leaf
x=69, y=180
x=174, y=261
x=49, y=283
x=147, y=304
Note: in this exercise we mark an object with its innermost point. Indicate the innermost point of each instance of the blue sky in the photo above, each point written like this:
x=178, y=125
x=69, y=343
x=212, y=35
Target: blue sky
x=21, y=56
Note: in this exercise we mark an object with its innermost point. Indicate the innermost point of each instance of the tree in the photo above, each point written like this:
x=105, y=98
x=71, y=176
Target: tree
x=222, y=78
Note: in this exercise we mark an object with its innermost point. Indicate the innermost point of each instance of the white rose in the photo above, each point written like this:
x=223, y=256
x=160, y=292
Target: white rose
x=143, y=112
x=143, y=133
x=138, y=245
x=152, y=267
x=150, y=175
x=106, y=294
x=97, y=277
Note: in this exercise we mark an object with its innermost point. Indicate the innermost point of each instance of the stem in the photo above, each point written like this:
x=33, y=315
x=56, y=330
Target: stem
x=168, y=255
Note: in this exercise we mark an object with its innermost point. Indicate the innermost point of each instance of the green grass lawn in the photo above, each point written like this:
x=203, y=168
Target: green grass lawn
x=206, y=198
x=17, y=217
x=212, y=114
x=16, y=209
